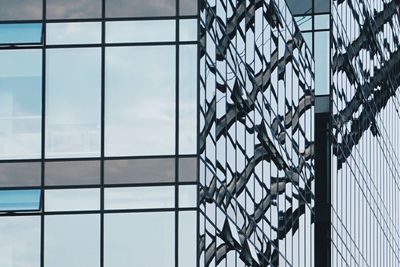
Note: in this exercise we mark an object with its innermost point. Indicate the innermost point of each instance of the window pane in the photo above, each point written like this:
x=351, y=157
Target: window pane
x=322, y=6
x=21, y=33
x=73, y=33
x=20, y=241
x=73, y=102
x=187, y=7
x=19, y=200
x=304, y=22
x=188, y=29
x=72, y=199
x=140, y=31
x=140, y=101
x=187, y=238
x=20, y=103
x=72, y=240
x=72, y=172
x=73, y=9
x=20, y=174
x=322, y=22
x=139, y=239
x=20, y=9
x=187, y=99
x=188, y=169
x=139, y=171
x=300, y=7
x=322, y=63
x=188, y=196
x=139, y=197
x=139, y=8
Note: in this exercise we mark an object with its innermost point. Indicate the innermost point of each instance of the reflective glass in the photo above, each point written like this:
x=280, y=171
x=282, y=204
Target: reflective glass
x=20, y=174
x=322, y=67
x=188, y=7
x=73, y=9
x=140, y=31
x=20, y=241
x=139, y=8
x=188, y=196
x=21, y=33
x=73, y=33
x=304, y=22
x=322, y=22
x=72, y=199
x=300, y=7
x=188, y=169
x=139, y=239
x=140, y=101
x=21, y=9
x=72, y=240
x=187, y=99
x=143, y=197
x=20, y=103
x=19, y=200
x=322, y=6
x=188, y=29
x=73, y=101
x=187, y=238
x=126, y=171
x=72, y=172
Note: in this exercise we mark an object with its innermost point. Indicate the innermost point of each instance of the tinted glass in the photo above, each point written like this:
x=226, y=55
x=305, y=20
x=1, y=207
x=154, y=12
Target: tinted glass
x=139, y=171
x=73, y=102
x=19, y=200
x=72, y=172
x=188, y=169
x=187, y=238
x=23, y=33
x=73, y=9
x=20, y=9
x=322, y=22
x=140, y=101
x=72, y=240
x=73, y=33
x=20, y=103
x=139, y=197
x=140, y=31
x=20, y=241
x=72, y=199
x=20, y=174
x=140, y=8
x=187, y=7
x=300, y=7
x=139, y=239
x=322, y=6
x=322, y=63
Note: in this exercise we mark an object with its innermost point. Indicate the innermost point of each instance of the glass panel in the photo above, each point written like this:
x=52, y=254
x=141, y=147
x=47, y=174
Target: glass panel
x=73, y=9
x=188, y=29
x=300, y=7
x=304, y=22
x=20, y=9
x=322, y=63
x=308, y=39
x=188, y=169
x=20, y=241
x=139, y=197
x=20, y=103
x=72, y=199
x=140, y=101
x=188, y=196
x=72, y=240
x=72, y=173
x=322, y=22
x=188, y=7
x=19, y=200
x=322, y=6
x=139, y=171
x=73, y=33
x=21, y=33
x=140, y=31
x=187, y=99
x=140, y=8
x=20, y=174
x=187, y=238
x=73, y=102
x=139, y=239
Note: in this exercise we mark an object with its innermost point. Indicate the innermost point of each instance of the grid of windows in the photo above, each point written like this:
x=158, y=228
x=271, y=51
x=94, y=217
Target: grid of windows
x=98, y=133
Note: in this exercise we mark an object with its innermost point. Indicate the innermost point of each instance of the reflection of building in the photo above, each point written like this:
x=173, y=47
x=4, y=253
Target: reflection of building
x=219, y=133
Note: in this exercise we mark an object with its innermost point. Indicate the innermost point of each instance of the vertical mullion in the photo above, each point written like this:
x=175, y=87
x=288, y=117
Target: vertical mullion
x=176, y=131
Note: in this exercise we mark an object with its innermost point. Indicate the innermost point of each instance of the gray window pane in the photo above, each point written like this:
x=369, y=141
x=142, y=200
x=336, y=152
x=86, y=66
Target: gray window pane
x=72, y=240
x=139, y=239
x=20, y=103
x=300, y=7
x=73, y=102
x=140, y=101
x=21, y=33
x=139, y=8
x=20, y=174
x=20, y=200
x=72, y=173
x=20, y=9
x=72, y=199
x=322, y=6
x=187, y=238
x=73, y=9
x=187, y=7
x=188, y=169
x=142, y=197
x=140, y=31
x=20, y=241
x=139, y=171
x=73, y=33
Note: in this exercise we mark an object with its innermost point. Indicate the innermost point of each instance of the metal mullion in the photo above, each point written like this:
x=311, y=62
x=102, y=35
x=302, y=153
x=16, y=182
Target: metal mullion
x=177, y=37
